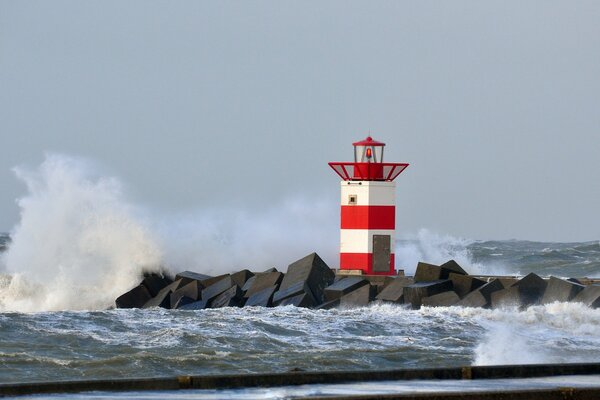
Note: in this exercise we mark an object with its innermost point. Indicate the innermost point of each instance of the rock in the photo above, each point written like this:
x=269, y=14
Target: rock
x=302, y=300
x=359, y=297
x=452, y=267
x=155, y=282
x=263, y=298
x=344, y=286
x=590, y=296
x=560, y=290
x=192, y=290
x=464, y=284
x=197, y=305
x=232, y=297
x=414, y=293
x=394, y=291
x=312, y=270
x=241, y=277
x=163, y=298
x=182, y=301
x=216, y=288
x=509, y=297
x=531, y=289
x=473, y=299
x=429, y=272
x=444, y=299
x=135, y=298
x=188, y=276
x=328, y=305
x=262, y=281
x=291, y=291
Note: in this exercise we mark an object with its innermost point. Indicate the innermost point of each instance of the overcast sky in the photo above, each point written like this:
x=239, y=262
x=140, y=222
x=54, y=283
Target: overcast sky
x=496, y=105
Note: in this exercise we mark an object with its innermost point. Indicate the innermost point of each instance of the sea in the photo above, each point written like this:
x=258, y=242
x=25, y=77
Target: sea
x=89, y=340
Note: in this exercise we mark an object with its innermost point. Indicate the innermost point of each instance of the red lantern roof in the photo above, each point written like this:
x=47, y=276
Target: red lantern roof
x=368, y=142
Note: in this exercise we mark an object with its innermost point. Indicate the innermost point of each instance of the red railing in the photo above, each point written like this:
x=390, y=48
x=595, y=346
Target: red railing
x=351, y=171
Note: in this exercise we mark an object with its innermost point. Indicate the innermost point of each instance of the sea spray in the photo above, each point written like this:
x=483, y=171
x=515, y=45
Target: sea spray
x=78, y=244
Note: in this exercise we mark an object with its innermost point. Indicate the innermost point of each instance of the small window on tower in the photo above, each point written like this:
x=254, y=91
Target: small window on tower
x=352, y=199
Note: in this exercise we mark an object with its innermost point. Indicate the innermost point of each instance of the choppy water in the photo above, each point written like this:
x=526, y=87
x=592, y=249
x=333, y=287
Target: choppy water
x=142, y=343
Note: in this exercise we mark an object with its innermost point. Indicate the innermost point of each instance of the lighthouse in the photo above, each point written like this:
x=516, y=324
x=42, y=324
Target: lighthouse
x=368, y=209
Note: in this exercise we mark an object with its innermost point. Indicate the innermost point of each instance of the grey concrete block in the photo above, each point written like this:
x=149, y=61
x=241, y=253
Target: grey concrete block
x=163, y=298
x=329, y=305
x=394, y=291
x=444, y=299
x=531, y=289
x=344, y=286
x=197, y=305
x=192, y=290
x=229, y=298
x=302, y=300
x=263, y=298
x=182, y=301
x=508, y=282
x=509, y=297
x=241, y=277
x=135, y=298
x=188, y=276
x=155, y=282
x=214, y=279
x=291, y=291
x=414, y=293
x=452, y=267
x=473, y=299
x=590, y=296
x=262, y=281
x=427, y=272
x=464, y=284
x=312, y=270
x=492, y=286
x=216, y=288
x=249, y=283
x=560, y=290
x=359, y=297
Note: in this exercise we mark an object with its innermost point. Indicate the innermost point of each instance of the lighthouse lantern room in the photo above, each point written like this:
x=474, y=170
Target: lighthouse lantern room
x=368, y=209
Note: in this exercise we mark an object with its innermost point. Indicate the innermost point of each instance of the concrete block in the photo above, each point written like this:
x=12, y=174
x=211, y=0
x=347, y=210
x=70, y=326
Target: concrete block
x=214, y=279
x=508, y=282
x=163, y=298
x=452, y=267
x=263, y=298
x=262, y=281
x=560, y=290
x=135, y=298
x=344, y=286
x=182, y=301
x=302, y=300
x=473, y=299
x=312, y=270
x=394, y=291
x=444, y=299
x=414, y=293
x=531, y=289
x=192, y=290
x=241, y=277
x=249, y=283
x=329, y=305
x=427, y=272
x=492, y=286
x=359, y=297
x=188, y=276
x=464, y=284
x=216, y=288
x=197, y=305
x=291, y=291
x=590, y=296
x=509, y=297
x=155, y=282
x=229, y=298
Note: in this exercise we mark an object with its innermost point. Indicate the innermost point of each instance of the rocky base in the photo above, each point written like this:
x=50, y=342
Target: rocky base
x=309, y=282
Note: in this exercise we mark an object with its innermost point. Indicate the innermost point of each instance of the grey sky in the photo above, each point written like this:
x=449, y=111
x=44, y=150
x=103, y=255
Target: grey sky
x=496, y=105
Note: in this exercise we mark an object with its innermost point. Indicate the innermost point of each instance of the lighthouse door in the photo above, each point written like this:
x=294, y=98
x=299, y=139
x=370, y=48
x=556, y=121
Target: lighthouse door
x=381, y=253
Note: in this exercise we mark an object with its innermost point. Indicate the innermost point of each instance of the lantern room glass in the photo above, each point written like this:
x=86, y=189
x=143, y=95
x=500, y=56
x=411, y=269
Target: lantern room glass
x=361, y=154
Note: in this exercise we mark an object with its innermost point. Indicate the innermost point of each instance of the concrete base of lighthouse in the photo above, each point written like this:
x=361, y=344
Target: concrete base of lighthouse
x=368, y=222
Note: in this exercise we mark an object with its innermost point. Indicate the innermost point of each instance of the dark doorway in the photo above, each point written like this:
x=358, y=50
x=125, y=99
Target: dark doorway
x=381, y=253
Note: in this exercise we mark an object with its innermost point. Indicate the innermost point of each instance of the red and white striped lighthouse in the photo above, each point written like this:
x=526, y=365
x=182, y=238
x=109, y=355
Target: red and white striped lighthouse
x=368, y=215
